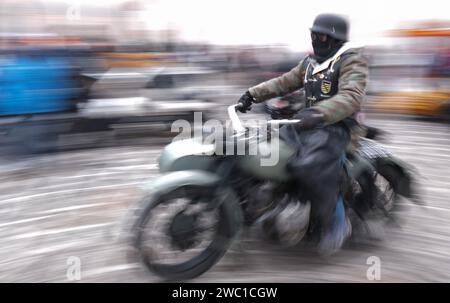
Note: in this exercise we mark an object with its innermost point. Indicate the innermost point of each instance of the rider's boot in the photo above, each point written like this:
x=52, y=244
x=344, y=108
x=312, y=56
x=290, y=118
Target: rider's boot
x=332, y=239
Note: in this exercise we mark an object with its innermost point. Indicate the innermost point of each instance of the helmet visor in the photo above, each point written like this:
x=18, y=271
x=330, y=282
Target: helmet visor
x=319, y=37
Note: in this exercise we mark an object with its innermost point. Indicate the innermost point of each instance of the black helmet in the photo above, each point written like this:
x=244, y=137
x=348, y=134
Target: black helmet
x=333, y=25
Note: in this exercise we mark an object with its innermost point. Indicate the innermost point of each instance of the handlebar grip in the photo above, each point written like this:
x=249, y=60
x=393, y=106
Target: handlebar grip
x=238, y=106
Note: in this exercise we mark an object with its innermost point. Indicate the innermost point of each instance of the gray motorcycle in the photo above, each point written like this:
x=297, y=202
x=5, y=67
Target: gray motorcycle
x=191, y=214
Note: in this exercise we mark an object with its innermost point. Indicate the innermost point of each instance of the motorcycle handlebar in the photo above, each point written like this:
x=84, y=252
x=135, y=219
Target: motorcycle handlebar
x=283, y=121
x=235, y=122
x=237, y=125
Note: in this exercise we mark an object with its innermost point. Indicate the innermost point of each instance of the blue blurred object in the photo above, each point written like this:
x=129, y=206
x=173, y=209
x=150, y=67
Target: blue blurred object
x=38, y=82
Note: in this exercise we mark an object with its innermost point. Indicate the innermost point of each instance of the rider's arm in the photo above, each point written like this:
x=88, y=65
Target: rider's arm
x=351, y=92
x=279, y=86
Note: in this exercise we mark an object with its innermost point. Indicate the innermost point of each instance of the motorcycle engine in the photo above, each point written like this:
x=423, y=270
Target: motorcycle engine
x=287, y=223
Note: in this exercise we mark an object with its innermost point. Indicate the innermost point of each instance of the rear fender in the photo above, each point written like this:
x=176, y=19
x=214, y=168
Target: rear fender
x=358, y=166
x=399, y=173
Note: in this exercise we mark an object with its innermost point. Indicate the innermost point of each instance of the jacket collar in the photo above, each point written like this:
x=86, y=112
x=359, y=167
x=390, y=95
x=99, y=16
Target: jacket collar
x=324, y=65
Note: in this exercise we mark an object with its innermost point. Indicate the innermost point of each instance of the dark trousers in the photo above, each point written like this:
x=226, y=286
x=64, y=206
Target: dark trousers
x=317, y=166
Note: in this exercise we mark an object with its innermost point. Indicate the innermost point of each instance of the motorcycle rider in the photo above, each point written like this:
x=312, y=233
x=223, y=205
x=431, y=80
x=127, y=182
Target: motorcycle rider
x=334, y=79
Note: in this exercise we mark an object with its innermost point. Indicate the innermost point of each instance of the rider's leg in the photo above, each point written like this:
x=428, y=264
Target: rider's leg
x=318, y=165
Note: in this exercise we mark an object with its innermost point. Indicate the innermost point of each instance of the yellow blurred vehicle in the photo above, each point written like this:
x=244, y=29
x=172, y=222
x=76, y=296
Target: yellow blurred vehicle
x=429, y=104
x=135, y=60
x=421, y=89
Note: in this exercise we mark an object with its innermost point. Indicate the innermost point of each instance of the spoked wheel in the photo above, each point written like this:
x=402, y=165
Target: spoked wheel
x=182, y=234
x=376, y=199
x=391, y=185
x=385, y=193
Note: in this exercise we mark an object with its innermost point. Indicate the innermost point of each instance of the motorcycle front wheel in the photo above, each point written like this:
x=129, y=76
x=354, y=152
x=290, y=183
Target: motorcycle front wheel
x=181, y=234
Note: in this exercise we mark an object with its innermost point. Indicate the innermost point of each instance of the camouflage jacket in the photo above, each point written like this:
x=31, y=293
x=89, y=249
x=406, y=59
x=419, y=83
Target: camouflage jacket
x=352, y=83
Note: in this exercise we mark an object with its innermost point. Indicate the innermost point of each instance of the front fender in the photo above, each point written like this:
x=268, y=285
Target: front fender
x=170, y=181
x=173, y=180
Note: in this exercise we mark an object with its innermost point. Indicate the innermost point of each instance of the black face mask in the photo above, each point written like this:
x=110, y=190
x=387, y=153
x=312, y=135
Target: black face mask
x=324, y=48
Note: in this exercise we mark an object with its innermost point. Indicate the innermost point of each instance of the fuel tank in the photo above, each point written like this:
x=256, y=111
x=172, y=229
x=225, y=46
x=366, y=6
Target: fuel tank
x=186, y=154
x=269, y=160
x=264, y=160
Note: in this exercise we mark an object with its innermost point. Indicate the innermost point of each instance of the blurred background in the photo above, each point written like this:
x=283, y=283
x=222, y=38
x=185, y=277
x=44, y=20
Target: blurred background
x=89, y=89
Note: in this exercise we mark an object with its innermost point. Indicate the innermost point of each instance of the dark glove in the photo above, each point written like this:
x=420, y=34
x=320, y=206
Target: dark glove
x=246, y=100
x=309, y=119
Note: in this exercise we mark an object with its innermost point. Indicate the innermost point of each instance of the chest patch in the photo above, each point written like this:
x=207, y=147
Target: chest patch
x=325, y=87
